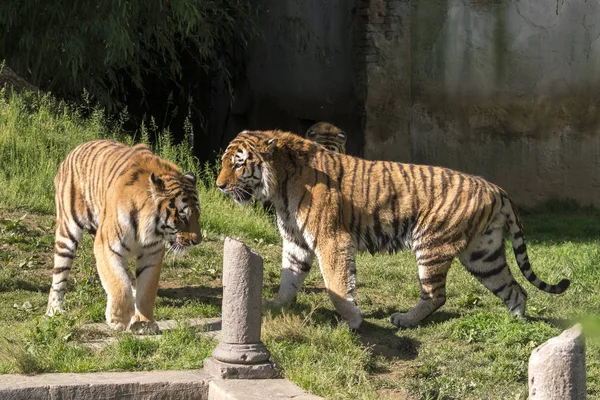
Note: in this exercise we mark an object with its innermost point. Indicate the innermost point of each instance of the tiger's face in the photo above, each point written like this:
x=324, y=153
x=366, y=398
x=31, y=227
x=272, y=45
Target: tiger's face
x=244, y=171
x=178, y=211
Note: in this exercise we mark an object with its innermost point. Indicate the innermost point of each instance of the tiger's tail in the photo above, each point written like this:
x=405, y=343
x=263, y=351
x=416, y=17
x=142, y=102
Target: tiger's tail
x=513, y=223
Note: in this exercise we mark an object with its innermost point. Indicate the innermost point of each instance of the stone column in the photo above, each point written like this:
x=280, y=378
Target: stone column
x=557, y=367
x=240, y=353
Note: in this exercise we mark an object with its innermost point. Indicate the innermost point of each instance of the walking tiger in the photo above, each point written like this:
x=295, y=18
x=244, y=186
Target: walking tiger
x=330, y=206
x=132, y=202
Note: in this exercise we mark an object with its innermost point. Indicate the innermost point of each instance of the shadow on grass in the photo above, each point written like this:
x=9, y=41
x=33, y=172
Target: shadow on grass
x=562, y=323
x=385, y=341
x=557, y=221
x=179, y=296
x=20, y=284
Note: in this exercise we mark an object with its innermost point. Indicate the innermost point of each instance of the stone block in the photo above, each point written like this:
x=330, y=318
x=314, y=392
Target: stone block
x=280, y=389
x=223, y=370
x=557, y=368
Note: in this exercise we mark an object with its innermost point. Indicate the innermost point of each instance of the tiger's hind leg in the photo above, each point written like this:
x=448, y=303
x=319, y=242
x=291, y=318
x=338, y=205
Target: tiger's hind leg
x=112, y=268
x=66, y=240
x=485, y=259
x=432, y=277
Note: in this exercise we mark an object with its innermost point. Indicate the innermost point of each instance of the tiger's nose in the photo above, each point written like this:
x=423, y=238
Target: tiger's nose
x=196, y=239
x=222, y=187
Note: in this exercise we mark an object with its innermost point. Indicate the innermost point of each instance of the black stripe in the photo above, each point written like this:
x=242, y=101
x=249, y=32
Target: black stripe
x=60, y=270
x=120, y=237
x=155, y=252
x=487, y=274
x=437, y=278
x=501, y=288
x=114, y=251
x=73, y=206
x=477, y=255
x=520, y=250
x=63, y=246
x=72, y=237
x=304, y=266
x=117, y=164
x=133, y=220
x=138, y=272
x=425, y=262
x=63, y=254
x=495, y=255
x=152, y=244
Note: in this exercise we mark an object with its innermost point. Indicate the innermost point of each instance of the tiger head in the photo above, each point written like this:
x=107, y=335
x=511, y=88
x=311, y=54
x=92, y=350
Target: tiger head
x=328, y=135
x=178, y=209
x=245, y=170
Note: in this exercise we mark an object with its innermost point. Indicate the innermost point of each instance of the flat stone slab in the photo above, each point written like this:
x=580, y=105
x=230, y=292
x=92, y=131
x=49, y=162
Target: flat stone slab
x=257, y=389
x=224, y=370
x=155, y=385
x=211, y=327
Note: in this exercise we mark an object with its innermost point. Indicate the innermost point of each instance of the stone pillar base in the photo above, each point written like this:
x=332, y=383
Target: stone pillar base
x=241, y=353
x=219, y=369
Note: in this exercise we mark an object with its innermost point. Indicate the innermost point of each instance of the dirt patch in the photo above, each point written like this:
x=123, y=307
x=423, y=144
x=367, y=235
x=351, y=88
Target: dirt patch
x=394, y=394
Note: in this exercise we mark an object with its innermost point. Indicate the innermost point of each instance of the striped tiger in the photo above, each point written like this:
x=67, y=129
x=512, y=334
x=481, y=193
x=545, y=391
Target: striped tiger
x=132, y=202
x=328, y=135
x=331, y=205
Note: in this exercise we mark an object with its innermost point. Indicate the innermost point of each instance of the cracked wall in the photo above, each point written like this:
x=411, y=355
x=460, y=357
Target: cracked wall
x=508, y=90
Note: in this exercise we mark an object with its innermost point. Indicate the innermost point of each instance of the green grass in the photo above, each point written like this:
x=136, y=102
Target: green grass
x=469, y=349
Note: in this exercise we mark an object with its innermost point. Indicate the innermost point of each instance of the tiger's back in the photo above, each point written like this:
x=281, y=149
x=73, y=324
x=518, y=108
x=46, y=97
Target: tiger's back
x=328, y=135
x=132, y=202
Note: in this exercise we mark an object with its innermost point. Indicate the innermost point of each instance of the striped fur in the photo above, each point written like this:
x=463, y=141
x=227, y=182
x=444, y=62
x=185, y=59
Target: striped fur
x=132, y=202
x=328, y=135
x=331, y=205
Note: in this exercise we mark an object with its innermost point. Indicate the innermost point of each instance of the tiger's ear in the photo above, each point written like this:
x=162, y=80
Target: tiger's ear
x=156, y=184
x=190, y=177
x=268, y=148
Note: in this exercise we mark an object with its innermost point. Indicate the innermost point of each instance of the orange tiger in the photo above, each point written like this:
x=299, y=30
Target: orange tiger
x=328, y=135
x=331, y=205
x=132, y=202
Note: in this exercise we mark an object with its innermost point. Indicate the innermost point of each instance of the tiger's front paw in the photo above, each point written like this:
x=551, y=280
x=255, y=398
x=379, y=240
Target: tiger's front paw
x=144, y=328
x=354, y=324
x=141, y=325
x=281, y=301
x=117, y=325
x=55, y=309
x=401, y=320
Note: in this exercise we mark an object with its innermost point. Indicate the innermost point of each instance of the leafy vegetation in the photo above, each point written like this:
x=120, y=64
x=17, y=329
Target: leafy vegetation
x=116, y=51
x=469, y=349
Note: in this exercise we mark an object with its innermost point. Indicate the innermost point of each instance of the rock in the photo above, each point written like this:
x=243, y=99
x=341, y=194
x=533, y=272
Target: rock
x=557, y=368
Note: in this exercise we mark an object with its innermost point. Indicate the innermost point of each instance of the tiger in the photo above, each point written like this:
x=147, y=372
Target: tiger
x=327, y=135
x=331, y=206
x=132, y=202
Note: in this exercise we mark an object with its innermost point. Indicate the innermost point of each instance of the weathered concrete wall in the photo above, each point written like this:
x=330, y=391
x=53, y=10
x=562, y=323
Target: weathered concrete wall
x=300, y=70
x=508, y=90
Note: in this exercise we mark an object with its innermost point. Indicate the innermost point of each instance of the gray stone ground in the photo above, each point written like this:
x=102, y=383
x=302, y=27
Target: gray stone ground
x=211, y=327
